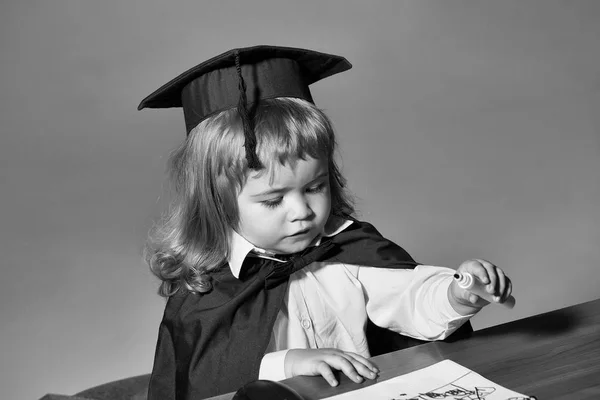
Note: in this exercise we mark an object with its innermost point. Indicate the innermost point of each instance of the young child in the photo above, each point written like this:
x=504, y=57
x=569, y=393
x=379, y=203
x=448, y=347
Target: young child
x=268, y=274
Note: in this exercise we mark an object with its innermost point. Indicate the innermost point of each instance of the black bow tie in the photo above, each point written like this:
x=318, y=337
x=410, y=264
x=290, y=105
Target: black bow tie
x=276, y=272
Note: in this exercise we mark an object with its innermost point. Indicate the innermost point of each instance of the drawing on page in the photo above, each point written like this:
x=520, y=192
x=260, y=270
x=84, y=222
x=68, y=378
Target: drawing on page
x=456, y=390
x=444, y=380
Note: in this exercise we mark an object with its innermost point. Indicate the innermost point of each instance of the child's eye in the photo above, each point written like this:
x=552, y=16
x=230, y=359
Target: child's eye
x=272, y=203
x=316, y=188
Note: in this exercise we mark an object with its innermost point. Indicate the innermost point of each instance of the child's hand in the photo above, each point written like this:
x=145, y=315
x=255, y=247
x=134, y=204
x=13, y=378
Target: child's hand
x=320, y=362
x=498, y=285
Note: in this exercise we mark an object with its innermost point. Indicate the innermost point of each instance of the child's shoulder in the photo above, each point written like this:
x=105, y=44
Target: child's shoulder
x=361, y=243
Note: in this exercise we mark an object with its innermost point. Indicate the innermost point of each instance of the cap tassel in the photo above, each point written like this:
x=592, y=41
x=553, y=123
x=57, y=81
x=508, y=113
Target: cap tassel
x=247, y=120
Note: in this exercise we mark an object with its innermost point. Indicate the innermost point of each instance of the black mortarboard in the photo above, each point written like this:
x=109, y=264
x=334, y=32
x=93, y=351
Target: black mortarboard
x=241, y=77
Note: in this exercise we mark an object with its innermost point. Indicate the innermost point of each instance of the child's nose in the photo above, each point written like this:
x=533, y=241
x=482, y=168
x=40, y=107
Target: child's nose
x=300, y=209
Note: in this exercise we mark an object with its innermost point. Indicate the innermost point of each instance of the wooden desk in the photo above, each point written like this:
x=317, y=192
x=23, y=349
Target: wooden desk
x=553, y=356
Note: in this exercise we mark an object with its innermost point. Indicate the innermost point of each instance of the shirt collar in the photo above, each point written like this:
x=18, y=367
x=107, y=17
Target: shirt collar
x=240, y=247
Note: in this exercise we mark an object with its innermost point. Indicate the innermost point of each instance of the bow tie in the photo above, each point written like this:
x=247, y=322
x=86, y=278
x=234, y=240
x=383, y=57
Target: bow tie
x=276, y=272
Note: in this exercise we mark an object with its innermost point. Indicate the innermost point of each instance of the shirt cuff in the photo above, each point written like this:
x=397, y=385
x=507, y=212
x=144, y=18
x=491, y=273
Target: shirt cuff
x=272, y=366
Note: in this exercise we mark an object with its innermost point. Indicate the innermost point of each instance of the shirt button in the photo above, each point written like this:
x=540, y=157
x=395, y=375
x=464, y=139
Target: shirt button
x=306, y=323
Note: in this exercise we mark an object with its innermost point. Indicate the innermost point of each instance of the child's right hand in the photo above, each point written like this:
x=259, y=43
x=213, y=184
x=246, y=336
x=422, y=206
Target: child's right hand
x=320, y=362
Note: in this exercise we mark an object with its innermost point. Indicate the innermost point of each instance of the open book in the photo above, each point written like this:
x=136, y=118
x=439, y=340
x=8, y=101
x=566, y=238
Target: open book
x=445, y=380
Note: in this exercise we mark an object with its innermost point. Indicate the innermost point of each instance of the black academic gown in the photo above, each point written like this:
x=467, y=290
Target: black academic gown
x=213, y=343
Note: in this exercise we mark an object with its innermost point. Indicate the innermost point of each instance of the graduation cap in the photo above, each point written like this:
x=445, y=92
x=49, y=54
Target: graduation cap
x=241, y=78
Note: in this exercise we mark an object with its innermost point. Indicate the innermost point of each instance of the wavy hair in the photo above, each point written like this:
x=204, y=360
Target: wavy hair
x=207, y=172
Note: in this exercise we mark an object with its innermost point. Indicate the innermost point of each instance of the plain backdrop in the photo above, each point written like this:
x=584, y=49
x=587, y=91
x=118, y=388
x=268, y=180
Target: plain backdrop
x=466, y=129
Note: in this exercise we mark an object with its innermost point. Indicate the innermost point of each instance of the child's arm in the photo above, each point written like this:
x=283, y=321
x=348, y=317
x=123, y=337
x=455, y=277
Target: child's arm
x=412, y=302
x=426, y=303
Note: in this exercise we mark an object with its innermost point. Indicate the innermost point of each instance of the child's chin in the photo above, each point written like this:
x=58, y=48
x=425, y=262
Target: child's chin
x=294, y=247
x=291, y=249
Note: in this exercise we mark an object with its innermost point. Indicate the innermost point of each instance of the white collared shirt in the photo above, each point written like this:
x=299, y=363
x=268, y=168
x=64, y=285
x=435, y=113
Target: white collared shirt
x=328, y=303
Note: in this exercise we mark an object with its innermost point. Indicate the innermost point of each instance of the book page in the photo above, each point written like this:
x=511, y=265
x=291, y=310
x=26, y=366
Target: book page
x=445, y=380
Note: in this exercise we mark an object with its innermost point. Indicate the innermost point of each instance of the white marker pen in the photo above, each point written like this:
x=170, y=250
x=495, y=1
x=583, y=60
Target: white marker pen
x=474, y=285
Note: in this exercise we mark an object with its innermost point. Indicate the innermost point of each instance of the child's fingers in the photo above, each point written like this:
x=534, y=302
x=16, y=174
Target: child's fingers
x=502, y=283
x=508, y=290
x=488, y=274
x=363, y=366
x=325, y=371
x=476, y=268
x=344, y=363
x=351, y=368
x=364, y=361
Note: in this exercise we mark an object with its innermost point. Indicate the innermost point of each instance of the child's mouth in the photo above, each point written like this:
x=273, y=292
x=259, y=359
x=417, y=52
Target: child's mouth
x=300, y=233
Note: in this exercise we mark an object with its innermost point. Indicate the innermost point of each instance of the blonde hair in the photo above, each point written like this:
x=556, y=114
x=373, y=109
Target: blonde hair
x=208, y=171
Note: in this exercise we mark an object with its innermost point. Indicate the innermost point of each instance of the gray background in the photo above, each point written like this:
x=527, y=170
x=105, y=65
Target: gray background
x=467, y=129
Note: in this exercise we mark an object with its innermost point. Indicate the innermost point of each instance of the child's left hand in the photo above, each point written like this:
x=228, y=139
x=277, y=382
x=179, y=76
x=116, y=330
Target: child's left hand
x=498, y=285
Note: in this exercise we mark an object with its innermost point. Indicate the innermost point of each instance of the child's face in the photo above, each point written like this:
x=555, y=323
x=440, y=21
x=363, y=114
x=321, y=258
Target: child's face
x=284, y=211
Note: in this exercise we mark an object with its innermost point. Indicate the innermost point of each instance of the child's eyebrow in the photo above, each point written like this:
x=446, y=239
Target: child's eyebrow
x=279, y=190
x=270, y=192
